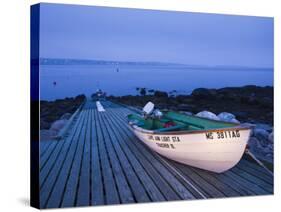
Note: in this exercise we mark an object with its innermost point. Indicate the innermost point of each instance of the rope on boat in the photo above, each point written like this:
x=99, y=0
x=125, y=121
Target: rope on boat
x=247, y=151
x=183, y=178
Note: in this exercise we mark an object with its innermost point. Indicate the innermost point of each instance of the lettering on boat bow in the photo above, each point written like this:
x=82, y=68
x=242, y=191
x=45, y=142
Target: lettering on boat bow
x=167, y=141
x=226, y=134
x=163, y=138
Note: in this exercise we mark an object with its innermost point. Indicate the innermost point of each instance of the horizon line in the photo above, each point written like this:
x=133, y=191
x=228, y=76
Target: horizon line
x=174, y=63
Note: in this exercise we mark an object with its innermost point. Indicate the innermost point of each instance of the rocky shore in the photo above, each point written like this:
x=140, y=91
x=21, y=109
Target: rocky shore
x=249, y=104
x=54, y=115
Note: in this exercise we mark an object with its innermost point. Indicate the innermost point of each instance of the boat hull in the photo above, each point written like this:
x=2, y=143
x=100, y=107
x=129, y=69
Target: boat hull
x=213, y=150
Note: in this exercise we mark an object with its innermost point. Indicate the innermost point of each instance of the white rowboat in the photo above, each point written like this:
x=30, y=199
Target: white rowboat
x=203, y=143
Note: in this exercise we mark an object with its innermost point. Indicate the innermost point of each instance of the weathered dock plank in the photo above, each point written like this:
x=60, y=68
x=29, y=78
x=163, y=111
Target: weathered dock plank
x=97, y=187
x=123, y=188
x=100, y=161
x=52, y=154
x=47, y=154
x=53, y=190
x=256, y=171
x=44, y=146
x=140, y=172
x=83, y=193
x=73, y=178
x=135, y=185
x=253, y=179
x=110, y=188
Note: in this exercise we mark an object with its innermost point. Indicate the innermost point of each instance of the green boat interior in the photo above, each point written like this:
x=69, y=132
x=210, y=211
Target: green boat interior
x=173, y=121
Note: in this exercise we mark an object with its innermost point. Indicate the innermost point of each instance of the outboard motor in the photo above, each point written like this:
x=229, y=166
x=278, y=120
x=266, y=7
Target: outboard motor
x=148, y=109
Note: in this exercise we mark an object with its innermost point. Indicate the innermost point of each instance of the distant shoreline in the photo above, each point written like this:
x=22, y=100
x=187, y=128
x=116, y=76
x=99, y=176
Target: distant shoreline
x=172, y=92
x=67, y=61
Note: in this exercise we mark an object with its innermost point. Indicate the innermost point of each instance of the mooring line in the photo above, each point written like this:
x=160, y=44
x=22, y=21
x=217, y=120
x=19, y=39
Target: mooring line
x=180, y=175
x=258, y=161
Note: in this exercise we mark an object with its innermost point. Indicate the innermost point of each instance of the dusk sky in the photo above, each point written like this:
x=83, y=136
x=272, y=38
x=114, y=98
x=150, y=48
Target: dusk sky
x=102, y=33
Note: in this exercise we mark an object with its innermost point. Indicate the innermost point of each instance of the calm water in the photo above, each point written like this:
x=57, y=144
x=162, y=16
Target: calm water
x=72, y=80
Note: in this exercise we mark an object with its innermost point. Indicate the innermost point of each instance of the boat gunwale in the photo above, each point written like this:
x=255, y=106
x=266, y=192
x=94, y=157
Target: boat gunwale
x=238, y=127
x=204, y=118
x=199, y=117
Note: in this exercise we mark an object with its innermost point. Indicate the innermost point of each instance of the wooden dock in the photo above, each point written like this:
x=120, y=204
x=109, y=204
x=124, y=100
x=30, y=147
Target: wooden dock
x=99, y=161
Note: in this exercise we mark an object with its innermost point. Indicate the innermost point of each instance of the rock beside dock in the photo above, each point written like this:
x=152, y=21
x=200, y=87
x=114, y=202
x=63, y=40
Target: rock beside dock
x=228, y=117
x=54, y=115
x=261, y=144
x=208, y=115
